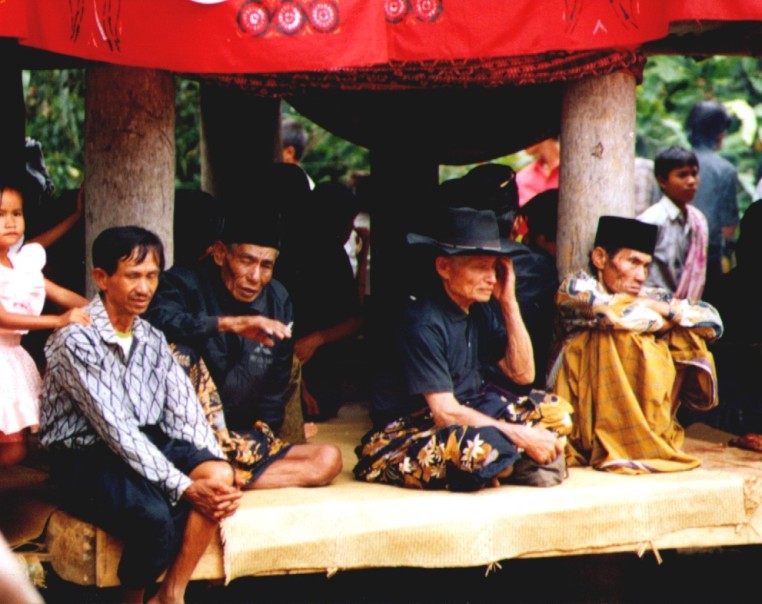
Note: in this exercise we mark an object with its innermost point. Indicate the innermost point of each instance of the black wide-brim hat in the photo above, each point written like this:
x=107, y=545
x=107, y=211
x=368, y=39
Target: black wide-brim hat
x=467, y=231
x=617, y=232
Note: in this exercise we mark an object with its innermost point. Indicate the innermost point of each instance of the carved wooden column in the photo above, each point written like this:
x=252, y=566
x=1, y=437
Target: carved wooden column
x=129, y=153
x=597, y=162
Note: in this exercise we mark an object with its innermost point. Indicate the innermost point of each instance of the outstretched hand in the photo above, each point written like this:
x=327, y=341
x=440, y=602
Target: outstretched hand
x=262, y=329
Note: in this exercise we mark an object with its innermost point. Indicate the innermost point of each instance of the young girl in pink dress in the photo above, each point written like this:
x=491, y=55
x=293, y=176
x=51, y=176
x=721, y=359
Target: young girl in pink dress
x=23, y=290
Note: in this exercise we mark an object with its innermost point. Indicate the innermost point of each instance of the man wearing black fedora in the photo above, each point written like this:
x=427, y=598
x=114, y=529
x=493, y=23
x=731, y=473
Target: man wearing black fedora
x=457, y=410
x=630, y=356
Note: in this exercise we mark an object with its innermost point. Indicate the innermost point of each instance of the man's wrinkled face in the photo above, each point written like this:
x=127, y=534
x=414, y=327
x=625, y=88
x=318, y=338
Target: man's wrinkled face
x=245, y=268
x=468, y=279
x=625, y=272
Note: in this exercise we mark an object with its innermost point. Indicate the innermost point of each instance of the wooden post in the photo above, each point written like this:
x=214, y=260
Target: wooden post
x=129, y=153
x=597, y=162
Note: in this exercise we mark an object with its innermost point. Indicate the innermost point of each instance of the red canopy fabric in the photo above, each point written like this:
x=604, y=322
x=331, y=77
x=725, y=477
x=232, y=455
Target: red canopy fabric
x=429, y=75
x=260, y=36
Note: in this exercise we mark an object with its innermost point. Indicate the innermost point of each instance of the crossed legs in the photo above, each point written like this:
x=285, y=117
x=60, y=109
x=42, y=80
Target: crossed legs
x=308, y=465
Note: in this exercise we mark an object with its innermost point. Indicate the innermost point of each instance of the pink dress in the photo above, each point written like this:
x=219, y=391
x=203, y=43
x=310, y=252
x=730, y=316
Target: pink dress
x=22, y=291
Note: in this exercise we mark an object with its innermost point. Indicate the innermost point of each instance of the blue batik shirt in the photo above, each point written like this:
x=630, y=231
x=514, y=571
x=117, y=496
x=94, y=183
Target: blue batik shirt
x=95, y=392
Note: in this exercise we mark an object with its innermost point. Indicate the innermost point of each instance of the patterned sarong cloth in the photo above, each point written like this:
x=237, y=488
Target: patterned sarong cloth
x=412, y=452
x=621, y=385
x=249, y=452
x=693, y=277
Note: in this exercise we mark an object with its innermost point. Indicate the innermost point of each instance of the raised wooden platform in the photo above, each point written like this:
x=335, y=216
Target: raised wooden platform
x=354, y=525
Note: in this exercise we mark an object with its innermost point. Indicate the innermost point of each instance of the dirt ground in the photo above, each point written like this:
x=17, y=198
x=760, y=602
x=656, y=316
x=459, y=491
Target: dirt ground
x=718, y=576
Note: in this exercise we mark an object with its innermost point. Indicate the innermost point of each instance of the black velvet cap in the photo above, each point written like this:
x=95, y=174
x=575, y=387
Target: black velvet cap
x=261, y=227
x=618, y=232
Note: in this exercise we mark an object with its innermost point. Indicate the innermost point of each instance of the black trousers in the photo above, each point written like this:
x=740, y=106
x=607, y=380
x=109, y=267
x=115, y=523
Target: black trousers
x=100, y=487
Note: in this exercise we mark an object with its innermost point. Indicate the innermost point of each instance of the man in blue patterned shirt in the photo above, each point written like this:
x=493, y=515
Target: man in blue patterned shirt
x=132, y=451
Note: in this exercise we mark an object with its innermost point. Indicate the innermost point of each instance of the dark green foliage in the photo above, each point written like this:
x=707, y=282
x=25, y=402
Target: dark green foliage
x=55, y=106
x=673, y=84
x=187, y=134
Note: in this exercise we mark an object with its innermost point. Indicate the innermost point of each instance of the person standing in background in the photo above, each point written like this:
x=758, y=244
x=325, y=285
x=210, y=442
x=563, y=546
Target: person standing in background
x=542, y=173
x=716, y=196
x=294, y=140
x=679, y=262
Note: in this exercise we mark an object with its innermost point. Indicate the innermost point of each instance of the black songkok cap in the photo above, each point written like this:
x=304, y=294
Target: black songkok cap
x=616, y=232
x=261, y=227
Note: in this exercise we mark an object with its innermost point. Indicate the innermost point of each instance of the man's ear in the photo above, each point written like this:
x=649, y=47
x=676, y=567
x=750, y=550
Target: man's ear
x=443, y=266
x=599, y=258
x=219, y=249
x=661, y=181
x=100, y=276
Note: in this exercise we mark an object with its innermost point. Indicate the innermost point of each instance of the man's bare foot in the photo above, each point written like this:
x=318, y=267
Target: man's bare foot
x=310, y=430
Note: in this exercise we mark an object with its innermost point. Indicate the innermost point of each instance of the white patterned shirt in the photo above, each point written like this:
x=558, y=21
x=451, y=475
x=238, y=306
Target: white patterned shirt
x=583, y=303
x=94, y=392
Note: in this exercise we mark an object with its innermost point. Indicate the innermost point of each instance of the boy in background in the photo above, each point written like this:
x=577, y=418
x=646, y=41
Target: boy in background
x=679, y=263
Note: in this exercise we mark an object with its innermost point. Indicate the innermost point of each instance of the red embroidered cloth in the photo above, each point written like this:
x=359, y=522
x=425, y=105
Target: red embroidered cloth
x=263, y=36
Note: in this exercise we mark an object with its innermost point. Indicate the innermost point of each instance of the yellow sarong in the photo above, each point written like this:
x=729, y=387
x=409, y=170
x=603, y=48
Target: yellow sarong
x=620, y=384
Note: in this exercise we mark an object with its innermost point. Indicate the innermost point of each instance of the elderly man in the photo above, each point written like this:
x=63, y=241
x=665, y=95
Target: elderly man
x=131, y=449
x=631, y=356
x=459, y=412
x=229, y=312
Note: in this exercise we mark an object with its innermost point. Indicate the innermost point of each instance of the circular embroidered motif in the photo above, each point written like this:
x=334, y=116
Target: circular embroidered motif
x=427, y=10
x=323, y=15
x=396, y=10
x=253, y=18
x=290, y=18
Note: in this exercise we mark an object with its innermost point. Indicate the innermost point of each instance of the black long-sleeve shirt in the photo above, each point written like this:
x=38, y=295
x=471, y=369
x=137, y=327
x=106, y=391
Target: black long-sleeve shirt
x=252, y=378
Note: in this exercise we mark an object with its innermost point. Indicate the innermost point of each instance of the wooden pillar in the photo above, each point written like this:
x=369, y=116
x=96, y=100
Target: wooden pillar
x=240, y=135
x=129, y=153
x=597, y=162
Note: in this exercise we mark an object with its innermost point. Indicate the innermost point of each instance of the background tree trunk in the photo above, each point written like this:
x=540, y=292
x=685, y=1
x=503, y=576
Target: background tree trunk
x=129, y=153
x=597, y=162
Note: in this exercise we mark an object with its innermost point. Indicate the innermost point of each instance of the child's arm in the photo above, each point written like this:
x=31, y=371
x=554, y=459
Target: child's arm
x=10, y=320
x=65, y=298
x=54, y=233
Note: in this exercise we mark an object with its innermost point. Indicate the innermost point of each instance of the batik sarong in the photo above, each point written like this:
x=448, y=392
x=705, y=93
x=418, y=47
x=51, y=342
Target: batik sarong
x=249, y=452
x=413, y=452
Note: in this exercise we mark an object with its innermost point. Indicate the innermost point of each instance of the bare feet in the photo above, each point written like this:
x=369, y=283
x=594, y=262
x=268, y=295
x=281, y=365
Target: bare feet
x=310, y=430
